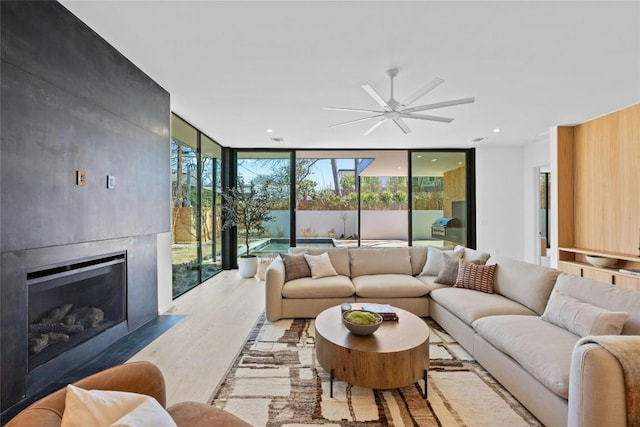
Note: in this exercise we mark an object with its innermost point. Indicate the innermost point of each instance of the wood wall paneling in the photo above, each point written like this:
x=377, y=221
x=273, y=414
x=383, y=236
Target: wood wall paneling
x=607, y=182
x=565, y=187
x=454, y=183
x=599, y=197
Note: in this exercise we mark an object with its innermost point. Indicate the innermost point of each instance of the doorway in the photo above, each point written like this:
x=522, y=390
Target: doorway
x=543, y=215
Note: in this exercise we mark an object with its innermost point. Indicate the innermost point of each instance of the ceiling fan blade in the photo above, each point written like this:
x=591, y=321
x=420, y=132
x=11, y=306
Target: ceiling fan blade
x=372, y=93
x=425, y=117
x=355, y=121
x=439, y=105
x=421, y=92
x=372, y=128
x=351, y=109
x=402, y=125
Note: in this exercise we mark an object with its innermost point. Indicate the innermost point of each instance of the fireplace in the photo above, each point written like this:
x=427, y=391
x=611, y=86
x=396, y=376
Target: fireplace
x=69, y=306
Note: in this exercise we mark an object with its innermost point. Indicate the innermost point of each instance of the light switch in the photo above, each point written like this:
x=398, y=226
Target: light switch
x=111, y=182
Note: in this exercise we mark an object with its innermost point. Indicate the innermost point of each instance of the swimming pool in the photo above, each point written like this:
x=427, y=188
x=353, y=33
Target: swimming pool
x=277, y=245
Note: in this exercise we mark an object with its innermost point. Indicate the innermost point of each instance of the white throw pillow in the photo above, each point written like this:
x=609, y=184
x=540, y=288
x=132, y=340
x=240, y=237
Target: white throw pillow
x=103, y=408
x=582, y=318
x=434, y=259
x=473, y=255
x=320, y=265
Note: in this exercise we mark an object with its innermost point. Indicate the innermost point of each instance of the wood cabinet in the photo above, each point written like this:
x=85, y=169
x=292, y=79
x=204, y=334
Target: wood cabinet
x=574, y=262
x=598, y=172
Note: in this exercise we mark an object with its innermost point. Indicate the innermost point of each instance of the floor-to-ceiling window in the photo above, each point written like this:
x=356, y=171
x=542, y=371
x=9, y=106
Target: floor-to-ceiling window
x=336, y=193
x=326, y=198
x=439, y=198
x=195, y=210
x=270, y=173
x=357, y=197
x=210, y=202
x=384, y=218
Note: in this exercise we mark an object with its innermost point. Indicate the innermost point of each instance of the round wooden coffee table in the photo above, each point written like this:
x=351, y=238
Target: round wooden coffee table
x=396, y=355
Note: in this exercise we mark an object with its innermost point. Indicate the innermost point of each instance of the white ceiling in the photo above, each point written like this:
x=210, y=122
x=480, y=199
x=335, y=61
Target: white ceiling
x=234, y=69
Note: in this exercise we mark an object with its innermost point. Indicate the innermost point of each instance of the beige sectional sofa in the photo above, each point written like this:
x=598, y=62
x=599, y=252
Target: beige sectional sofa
x=532, y=347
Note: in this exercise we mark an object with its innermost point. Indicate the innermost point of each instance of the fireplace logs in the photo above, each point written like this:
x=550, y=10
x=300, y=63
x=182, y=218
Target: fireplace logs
x=85, y=316
x=57, y=314
x=59, y=323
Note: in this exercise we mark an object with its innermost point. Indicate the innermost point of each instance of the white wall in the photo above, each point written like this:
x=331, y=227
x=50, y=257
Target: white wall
x=422, y=221
x=500, y=201
x=536, y=155
x=165, y=286
x=381, y=225
x=322, y=221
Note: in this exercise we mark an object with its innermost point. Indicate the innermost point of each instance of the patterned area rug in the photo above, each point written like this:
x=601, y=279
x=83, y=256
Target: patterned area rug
x=276, y=381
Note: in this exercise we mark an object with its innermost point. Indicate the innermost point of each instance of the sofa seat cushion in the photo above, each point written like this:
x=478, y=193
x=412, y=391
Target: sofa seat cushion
x=389, y=286
x=542, y=349
x=324, y=287
x=469, y=305
x=430, y=281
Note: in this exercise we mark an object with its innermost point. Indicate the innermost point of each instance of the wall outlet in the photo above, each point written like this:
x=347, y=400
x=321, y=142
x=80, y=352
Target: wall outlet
x=81, y=177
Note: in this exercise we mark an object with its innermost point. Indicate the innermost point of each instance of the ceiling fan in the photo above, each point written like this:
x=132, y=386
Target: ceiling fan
x=397, y=111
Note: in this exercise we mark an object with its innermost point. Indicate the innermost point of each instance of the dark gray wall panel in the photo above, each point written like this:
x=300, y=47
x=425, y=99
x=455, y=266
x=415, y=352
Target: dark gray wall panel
x=70, y=101
x=142, y=289
x=47, y=135
x=46, y=40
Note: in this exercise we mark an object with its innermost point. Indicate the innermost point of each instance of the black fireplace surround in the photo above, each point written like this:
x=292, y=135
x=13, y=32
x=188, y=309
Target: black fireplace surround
x=116, y=277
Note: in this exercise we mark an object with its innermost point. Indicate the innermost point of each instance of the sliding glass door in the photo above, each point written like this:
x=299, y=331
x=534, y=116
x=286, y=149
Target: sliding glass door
x=440, y=212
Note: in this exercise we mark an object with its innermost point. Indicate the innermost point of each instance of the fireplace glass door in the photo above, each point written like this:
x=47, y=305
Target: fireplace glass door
x=70, y=304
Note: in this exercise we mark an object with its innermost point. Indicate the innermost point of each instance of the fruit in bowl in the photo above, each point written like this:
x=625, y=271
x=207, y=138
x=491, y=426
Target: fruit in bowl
x=361, y=322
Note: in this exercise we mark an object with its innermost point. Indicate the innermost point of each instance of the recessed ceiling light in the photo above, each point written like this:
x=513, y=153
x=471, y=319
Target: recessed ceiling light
x=269, y=130
x=419, y=156
x=434, y=160
x=496, y=130
x=459, y=163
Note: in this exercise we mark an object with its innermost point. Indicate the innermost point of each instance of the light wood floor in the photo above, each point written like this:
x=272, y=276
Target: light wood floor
x=195, y=354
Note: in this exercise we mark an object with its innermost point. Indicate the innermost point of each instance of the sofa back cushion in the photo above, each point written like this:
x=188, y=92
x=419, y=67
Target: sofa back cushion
x=339, y=257
x=523, y=282
x=603, y=295
x=418, y=256
x=366, y=261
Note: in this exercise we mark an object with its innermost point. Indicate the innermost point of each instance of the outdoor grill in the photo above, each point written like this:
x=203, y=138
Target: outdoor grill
x=440, y=225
